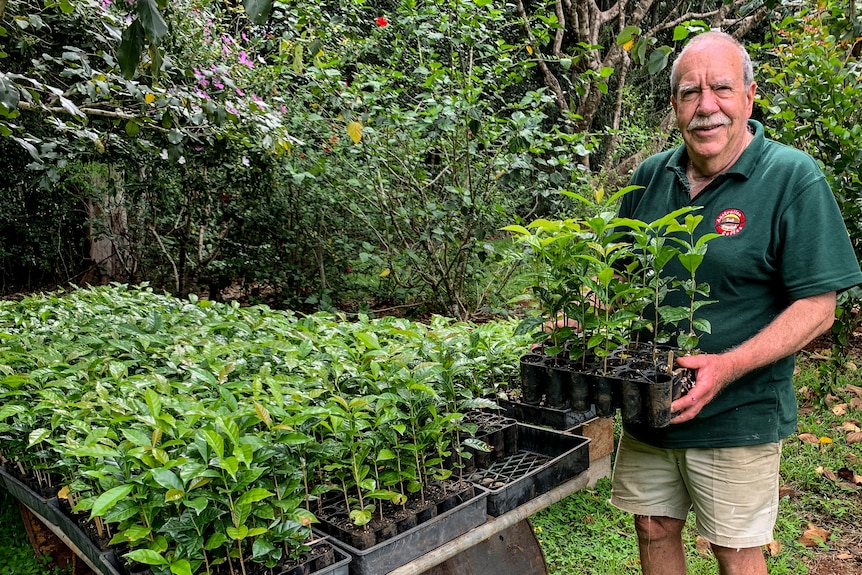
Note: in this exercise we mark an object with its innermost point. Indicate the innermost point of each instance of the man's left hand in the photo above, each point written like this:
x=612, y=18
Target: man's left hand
x=713, y=372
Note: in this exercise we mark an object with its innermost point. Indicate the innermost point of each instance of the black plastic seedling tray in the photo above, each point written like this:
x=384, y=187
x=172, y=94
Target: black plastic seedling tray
x=413, y=543
x=546, y=416
x=547, y=458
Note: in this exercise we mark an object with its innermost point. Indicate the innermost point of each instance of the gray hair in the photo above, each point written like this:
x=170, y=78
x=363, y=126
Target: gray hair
x=747, y=68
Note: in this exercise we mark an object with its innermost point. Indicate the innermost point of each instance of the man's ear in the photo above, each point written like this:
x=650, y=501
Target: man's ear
x=750, y=94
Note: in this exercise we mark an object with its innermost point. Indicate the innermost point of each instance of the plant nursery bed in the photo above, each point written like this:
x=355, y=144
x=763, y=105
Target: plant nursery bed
x=547, y=458
x=403, y=547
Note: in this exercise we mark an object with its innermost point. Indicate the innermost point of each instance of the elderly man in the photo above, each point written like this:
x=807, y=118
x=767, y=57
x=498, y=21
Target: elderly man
x=774, y=272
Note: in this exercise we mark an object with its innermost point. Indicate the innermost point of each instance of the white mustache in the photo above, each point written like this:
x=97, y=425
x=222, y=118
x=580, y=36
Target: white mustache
x=718, y=119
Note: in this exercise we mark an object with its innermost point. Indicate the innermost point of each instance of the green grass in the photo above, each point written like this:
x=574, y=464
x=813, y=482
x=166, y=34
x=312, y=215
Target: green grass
x=586, y=535
x=16, y=555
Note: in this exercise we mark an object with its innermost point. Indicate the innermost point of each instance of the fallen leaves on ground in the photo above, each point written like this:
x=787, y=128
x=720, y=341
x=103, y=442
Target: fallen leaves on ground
x=844, y=478
x=850, y=426
x=787, y=491
x=814, y=536
x=808, y=438
x=704, y=548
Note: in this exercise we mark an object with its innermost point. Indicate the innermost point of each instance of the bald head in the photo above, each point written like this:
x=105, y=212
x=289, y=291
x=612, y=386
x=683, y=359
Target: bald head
x=719, y=40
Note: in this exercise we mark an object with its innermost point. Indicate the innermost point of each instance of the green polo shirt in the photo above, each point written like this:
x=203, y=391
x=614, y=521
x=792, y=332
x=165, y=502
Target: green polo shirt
x=783, y=239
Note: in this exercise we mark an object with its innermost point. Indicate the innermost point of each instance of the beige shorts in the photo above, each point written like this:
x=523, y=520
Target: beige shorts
x=733, y=490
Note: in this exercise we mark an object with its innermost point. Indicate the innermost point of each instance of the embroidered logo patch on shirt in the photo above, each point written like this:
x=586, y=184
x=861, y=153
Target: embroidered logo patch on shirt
x=730, y=222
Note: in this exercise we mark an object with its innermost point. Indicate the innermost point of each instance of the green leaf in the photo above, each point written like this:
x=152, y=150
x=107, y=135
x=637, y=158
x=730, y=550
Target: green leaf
x=71, y=108
x=680, y=33
x=197, y=503
x=627, y=34
x=230, y=464
x=146, y=556
x=131, y=47
x=110, y=498
x=137, y=437
x=37, y=436
x=702, y=325
x=687, y=341
x=94, y=451
x=478, y=445
x=167, y=478
x=151, y=20
x=237, y=533
x=658, y=59
x=252, y=495
x=181, y=567
x=203, y=374
x=136, y=533
x=215, y=541
x=386, y=454
x=261, y=548
x=215, y=441
x=8, y=410
x=360, y=517
x=257, y=10
x=9, y=95
x=154, y=403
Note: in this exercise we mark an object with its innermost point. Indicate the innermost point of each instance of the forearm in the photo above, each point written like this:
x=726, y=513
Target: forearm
x=797, y=325
x=792, y=330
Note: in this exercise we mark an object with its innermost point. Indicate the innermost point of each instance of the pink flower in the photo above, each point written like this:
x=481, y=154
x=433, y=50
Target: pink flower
x=382, y=21
x=243, y=59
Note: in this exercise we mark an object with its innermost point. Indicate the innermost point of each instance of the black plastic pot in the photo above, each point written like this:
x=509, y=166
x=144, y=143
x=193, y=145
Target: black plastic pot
x=659, y=395
x=547, y=458
x=602, y=388
x=579, y=392
x=409, y=545
x=559, y=382
x=631, y=406
x=534, y=378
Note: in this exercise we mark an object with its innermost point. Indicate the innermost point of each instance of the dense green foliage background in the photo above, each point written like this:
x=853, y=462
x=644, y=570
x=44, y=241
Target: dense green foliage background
x=359, y=150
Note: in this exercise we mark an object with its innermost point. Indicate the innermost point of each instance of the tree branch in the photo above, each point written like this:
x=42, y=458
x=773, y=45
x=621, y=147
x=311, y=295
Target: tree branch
x=167, y=255
x=550, y=80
